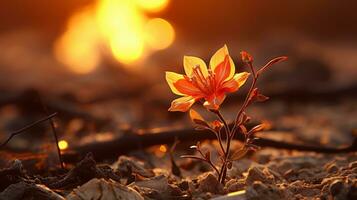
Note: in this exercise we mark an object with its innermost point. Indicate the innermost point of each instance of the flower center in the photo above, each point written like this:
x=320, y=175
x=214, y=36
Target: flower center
x=205, y=84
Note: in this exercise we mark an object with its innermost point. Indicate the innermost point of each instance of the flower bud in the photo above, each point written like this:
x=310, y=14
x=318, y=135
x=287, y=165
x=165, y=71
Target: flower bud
x=246, y=57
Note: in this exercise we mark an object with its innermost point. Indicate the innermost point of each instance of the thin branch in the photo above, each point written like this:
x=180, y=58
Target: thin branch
x=246, y=101
x=221, y=118
x=202, y=159
x=218, y=135
x=53, y=128
x=13, y=134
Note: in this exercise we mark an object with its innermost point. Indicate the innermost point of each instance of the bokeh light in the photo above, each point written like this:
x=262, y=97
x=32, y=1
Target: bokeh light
x=77, y=47
x=159, y=33
x=63, y=144
x=152, y=5
x=119, y=25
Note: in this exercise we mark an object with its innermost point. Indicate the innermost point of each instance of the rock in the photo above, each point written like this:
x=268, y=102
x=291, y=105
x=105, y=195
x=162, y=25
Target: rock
x=332, y=168
x=159, y=183
x=353, y=165
x=125, y=164
x=238, y=167
x=30, y=191
x=104, y=190
x=352, y=191
x=257, y=174
x=184, y=185
x=207, y=182
x=234, y=185
x=261, y=191
x=158, y=188
x=297, y=163
x=83, y=172
x=336, y=187
x=11, y=175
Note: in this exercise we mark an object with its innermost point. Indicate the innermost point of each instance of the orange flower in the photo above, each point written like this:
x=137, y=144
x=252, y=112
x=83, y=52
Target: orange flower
x=210, y=84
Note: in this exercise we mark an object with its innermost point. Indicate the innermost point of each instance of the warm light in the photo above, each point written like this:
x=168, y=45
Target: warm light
x=127, y=49
x=163, y=148
x=152, y=5
x=77, y=47
x=119, y=25
x=159, y=33
x=63, y=144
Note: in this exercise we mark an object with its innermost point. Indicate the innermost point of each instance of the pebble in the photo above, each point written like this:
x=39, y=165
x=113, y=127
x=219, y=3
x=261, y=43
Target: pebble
x=353, y=165
x=257, y=174
x=260, y=191
x=208, y=183
x=336, y=187
x=332, y=168
x=235, y=185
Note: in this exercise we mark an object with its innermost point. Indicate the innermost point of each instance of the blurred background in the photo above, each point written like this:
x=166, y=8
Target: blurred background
x=94, y=60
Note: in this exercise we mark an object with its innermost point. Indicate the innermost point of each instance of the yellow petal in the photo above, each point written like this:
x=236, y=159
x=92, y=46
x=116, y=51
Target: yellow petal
x=218, y=58
x=235, y=83
x=171, y=78
x=182, y=104
x=241, y=78
x=189, y=62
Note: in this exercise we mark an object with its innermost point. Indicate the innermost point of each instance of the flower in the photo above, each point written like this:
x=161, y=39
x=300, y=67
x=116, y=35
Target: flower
x=202, y=83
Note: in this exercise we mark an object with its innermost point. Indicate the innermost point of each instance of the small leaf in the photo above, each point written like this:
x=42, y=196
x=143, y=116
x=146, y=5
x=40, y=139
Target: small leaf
x=216, y=125
x=243, y=129
x=252, y=147
x=261, y=98
x=239, y=154
x=198, y=119
x=256, y=96
x=272, y=62
x=198, y=145
x=242, y=118
x=252, y=95
x=208, y=155
x=265, y=125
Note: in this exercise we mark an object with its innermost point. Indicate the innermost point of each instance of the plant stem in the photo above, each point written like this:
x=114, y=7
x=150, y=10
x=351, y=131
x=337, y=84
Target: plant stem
x=230, y=133
x=218, y=135
x=223, y=170
x=246, y=101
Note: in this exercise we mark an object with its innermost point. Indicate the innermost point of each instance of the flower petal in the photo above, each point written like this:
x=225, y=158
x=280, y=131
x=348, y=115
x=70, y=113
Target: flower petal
x=235, y=83
x=189, y=62
x=214, y=101
x=222, y=64
x=171, y=78
x=185, y=87
x=182, y=104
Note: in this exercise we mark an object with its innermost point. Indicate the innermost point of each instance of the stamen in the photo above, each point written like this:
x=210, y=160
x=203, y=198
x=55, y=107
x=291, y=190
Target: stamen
x=200, y=79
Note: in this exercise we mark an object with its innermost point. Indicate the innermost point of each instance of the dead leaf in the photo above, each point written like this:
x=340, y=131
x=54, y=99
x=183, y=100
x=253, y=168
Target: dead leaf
x=96, y=189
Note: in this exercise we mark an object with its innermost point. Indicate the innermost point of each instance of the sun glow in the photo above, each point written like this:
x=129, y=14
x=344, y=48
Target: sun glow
x=118, y=25
x=159, y=33
x=77, y=47
x=63, y=144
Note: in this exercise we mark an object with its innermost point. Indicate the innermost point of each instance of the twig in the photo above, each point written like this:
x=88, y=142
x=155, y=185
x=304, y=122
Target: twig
x=26, y=128
x=53, y=131
x=202, y=159
x=174, y=168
